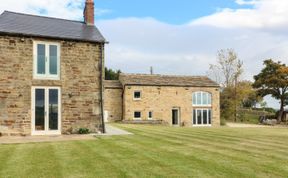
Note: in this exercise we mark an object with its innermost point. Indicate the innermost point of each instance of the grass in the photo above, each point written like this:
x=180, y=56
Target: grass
x=155, y=151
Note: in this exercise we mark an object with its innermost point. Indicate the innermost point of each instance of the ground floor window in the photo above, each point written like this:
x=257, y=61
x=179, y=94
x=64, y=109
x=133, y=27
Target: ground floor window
x=150, y=115
x=202, y=117
x=137, y=115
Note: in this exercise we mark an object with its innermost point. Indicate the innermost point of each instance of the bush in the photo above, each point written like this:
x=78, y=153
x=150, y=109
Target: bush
x=83, y=131
x=270, y=110
x=222, y=122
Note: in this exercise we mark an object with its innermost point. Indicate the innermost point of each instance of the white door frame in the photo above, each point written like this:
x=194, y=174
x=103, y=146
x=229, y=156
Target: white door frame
x=178, y=116
x=46, y=131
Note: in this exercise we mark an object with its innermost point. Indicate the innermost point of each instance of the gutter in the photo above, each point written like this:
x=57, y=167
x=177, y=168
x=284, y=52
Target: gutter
x=52, y=37
x=102, y=88
x=123, y=102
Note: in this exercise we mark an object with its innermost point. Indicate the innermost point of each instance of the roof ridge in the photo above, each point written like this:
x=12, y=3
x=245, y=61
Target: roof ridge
x=164, y=75
x=41, y=16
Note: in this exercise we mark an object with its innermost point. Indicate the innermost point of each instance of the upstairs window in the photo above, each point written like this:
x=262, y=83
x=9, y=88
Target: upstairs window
x=137, y=95
x=201, y=99
x=46, y=61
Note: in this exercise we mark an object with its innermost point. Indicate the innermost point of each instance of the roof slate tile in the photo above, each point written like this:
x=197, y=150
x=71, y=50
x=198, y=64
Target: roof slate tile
x=166, y=80
x=39, y=26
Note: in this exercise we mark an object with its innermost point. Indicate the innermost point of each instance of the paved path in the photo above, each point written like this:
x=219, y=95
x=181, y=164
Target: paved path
x=110, y=131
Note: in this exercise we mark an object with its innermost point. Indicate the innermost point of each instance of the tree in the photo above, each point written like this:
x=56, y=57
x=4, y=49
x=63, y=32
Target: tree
x=110, y=74
x=263, y=104
x=227, y=103
x=273, y=80
x=228, y=68
x=247, y=95
x=227, y=72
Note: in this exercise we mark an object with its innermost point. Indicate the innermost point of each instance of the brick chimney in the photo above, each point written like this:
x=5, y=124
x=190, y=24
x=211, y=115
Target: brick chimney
x=89, y=12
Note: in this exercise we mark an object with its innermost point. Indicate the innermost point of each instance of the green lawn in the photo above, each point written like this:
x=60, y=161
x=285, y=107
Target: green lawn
x=155, y=151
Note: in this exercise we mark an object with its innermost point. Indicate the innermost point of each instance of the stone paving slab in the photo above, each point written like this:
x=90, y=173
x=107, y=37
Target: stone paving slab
x=110, y=131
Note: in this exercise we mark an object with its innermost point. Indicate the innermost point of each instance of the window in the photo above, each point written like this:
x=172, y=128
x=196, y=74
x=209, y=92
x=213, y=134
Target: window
x=202, y=117
x=137, y=95
x=201, y=99
x=150, y=115
x=137, y=115
x=46, y=60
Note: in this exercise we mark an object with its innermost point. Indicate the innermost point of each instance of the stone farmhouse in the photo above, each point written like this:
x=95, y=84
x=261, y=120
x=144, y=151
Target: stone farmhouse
x=52, y=82
x=50, y=74
x=171, y=100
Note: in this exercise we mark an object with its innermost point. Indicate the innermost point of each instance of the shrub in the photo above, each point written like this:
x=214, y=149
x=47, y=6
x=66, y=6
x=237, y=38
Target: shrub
x=241, y=117
x=267, y=109
x=271, y=110
x=83, y=131
x=222, y=122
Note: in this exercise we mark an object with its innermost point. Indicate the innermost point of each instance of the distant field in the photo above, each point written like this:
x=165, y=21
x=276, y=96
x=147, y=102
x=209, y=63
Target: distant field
x=155, y=151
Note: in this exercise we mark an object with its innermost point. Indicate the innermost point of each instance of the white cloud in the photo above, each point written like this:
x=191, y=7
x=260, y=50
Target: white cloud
x=264, y=14
x=136, y=44
x=67, y=9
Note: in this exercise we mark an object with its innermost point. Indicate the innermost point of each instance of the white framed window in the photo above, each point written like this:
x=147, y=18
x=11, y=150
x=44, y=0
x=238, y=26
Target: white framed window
x=150, y=115
x=46, y=60
x=137, y=115
x=202, y=117
x=137, y=95
x=201, y=98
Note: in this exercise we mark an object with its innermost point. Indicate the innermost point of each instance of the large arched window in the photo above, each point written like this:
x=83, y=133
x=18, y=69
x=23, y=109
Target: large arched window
x=201, y=98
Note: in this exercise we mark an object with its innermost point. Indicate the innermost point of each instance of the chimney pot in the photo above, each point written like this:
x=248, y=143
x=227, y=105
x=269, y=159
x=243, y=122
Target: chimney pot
x=89, y=12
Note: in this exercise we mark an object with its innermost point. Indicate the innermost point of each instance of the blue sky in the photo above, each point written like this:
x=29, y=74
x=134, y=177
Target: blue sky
x=169, y=11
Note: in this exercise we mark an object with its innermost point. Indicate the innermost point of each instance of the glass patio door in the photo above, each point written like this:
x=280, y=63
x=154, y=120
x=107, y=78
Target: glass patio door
x=202, y=117
x=46, y=115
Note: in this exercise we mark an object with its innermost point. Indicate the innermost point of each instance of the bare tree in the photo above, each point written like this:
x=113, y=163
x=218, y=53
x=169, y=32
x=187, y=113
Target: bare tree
x=227, y=72
x=228, y=68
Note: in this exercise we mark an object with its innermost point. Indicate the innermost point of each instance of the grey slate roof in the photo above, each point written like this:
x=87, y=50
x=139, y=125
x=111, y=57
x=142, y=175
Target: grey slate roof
x=166, y=80
x=112, y=84
x=47, y=27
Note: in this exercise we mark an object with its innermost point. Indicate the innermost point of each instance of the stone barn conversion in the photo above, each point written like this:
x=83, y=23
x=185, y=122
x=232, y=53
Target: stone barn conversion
x=50, y=74
x=173, y=100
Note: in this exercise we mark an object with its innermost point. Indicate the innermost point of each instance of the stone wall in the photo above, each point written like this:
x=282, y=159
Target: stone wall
x=113, y=103
x=80, y=84
x=161, y=101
